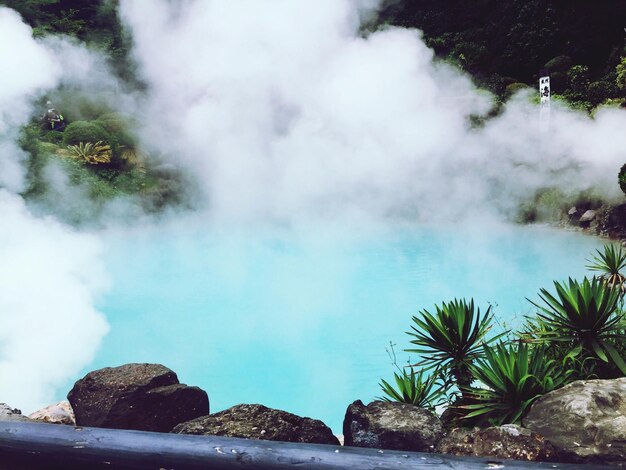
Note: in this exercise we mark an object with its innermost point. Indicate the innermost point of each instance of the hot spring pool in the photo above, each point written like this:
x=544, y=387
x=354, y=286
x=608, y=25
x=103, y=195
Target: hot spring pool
x=300, y=320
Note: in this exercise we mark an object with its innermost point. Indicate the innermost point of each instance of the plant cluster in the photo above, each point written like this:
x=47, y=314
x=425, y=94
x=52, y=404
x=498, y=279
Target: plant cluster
x=488, y=377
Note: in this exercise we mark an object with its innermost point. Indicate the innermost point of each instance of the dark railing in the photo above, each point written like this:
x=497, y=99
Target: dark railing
x=26, y=446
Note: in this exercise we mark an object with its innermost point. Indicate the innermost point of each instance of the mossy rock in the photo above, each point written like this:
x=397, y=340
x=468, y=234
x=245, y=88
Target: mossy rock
x=86, y=131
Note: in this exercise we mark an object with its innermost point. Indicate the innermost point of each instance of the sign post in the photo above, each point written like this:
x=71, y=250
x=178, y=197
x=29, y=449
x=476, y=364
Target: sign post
x=544, y=98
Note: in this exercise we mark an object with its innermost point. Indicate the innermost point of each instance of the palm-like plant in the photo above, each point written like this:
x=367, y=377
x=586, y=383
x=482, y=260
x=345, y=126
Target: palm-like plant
x=93, y=153
x=610, y=263
x=412, y=388
x=585, y=314
x=452, y=338
x=514, y=377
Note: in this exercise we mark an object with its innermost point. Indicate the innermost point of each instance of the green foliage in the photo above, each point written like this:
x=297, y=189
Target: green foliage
x=414, y=389
x=578, y=80
x=452, y=337
x=585, y=314
x=92, y=153
x=513, y=88
x=610, y=262
x=514, y=377
x=560, y=63
x=598, y=92
x=621, y=178
x=85, y=131
x=620, y=71
x=54, y=137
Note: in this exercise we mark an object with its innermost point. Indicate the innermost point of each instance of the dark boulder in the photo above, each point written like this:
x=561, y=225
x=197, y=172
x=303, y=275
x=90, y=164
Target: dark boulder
x=502, y=442
x=585, y=420
x=396, y=426
x=260, y=422
x=145, y=397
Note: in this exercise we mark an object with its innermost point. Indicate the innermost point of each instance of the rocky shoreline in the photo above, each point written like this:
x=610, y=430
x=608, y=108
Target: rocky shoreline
x=583, y=422
x=608, y=221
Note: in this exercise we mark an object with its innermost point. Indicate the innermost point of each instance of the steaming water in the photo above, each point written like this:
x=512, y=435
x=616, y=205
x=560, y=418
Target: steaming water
x=300, y=321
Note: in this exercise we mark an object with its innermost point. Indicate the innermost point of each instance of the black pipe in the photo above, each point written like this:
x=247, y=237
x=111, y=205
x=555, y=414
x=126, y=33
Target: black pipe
x=26, y=446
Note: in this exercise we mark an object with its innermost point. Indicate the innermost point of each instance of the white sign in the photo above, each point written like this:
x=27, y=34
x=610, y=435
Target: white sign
x=544, y=97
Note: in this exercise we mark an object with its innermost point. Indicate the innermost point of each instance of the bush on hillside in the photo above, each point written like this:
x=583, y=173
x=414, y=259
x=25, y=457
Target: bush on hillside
x=54, y=137
x=560, y=63
x=622, y=178
x=84, y=131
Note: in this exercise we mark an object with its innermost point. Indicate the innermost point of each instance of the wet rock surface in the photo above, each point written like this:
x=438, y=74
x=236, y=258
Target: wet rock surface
x=260, y=422
x=145, y=397
x=396, y=426
x=585, y=420
x=503, y=442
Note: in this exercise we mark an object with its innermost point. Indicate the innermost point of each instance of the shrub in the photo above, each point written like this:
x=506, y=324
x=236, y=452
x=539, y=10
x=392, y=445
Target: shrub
x=598, y=92
x=93, y=153
x=54, y=137
x=513, y=88
x=586, y=315
x=514, y=377
x=452, y=338
x=412, y=388
x=578, y=81
x=560, y=63
x=114, y=122
x=621, y=178
x=84, y=131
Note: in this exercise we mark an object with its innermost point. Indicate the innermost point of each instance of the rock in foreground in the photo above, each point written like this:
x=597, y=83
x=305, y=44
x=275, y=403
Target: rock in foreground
x=61, y=413
x=586, y=420
x=260, y=422
x=146, y=397
x=396, y=426
x=11, y=414
x=503, y=442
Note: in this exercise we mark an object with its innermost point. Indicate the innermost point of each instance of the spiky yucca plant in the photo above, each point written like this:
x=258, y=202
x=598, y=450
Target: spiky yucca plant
x=451, y=338
x=93, y=153
x=413, y=388
x=610, y=262
x=514, y=376
x=587, y=316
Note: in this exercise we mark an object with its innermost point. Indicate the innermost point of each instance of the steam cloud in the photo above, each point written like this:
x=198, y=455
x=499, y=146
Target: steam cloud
x=284, y=110
x=49, y=273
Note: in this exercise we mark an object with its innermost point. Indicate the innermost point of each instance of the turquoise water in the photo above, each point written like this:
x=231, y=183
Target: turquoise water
x=300, y=320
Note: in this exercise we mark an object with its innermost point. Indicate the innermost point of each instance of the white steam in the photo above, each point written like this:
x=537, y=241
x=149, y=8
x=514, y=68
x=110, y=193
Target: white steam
x=283, y=110
x=49, y=273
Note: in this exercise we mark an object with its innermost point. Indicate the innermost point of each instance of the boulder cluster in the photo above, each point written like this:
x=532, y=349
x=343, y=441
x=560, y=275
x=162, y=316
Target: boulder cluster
x=583, y=422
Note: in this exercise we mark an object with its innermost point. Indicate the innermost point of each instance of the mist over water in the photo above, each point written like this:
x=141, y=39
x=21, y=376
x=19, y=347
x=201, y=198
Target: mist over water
x=334, y=171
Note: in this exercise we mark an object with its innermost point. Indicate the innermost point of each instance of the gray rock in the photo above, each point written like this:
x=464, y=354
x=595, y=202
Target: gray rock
x=260, y=422
x=397, y=426
x=585, y=420
x=572, y=211
x=61, y=413
x=11, y=414
x=587, y=217
x=145, y=397
x=503, y=442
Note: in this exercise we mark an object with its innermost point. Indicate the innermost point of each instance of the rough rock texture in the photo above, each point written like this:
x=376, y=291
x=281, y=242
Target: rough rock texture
x=588, y=216
x=146, y=397
x=260, y=422
x=396, y=426
x=61, y=413
x=503, y=442
x=585, y=420
x=11, y=414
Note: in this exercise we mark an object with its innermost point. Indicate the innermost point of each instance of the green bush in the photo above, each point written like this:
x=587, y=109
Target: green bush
x=54, y=137
x=115, y=122
x=84, y=131
x=513, y=88
x=514, y=376
x=621, y=178
x=560, y=63
x=598, y=92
